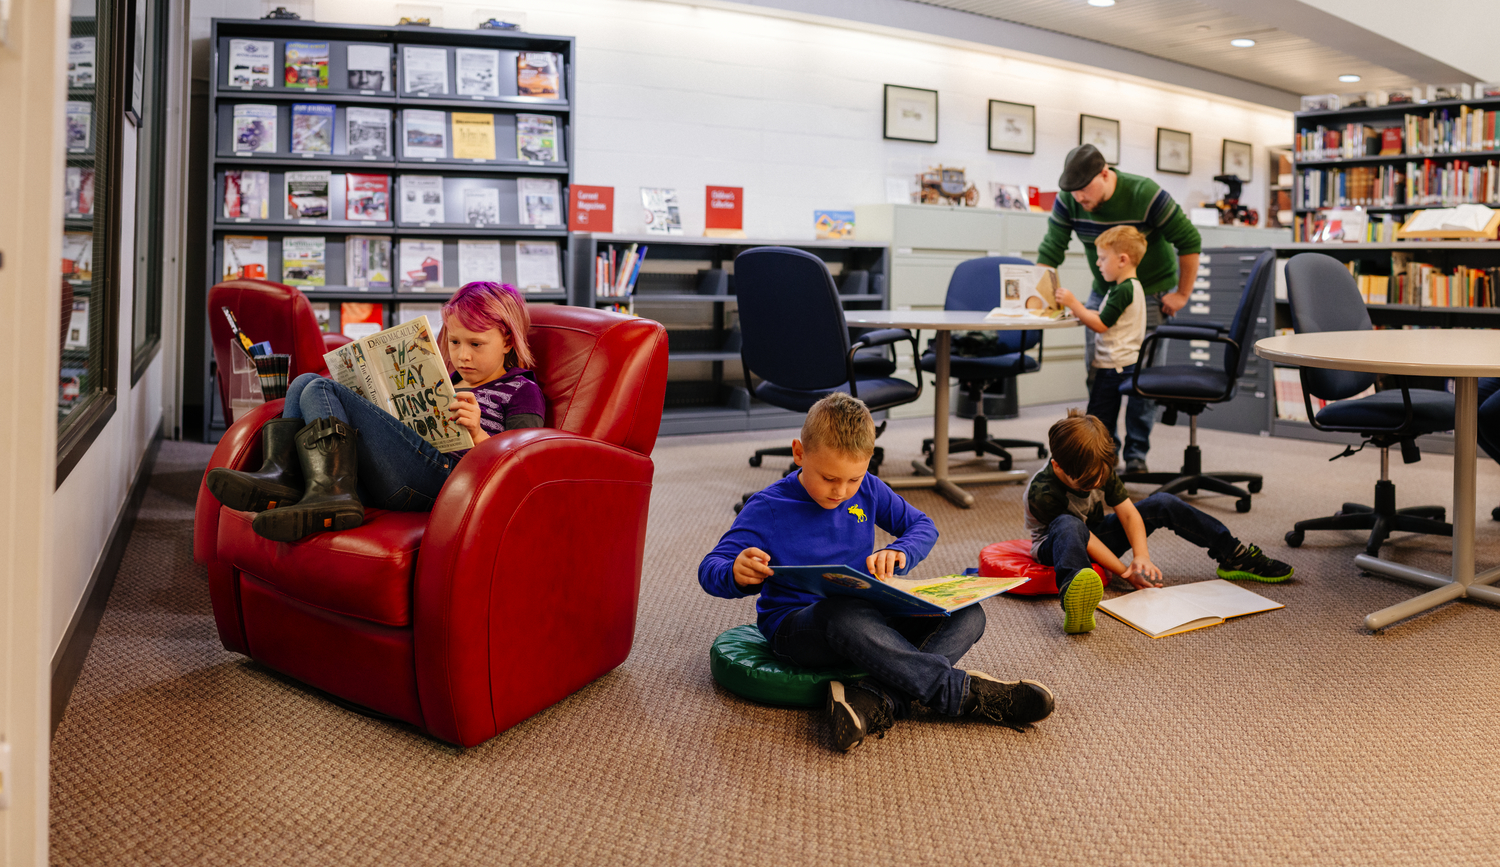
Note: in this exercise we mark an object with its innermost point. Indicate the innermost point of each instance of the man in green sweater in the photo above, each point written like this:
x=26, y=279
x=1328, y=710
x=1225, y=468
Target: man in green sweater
x=1096, y=198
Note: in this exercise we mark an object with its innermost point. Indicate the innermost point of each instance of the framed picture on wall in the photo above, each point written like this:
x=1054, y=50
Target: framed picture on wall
x=1236, y=160
x=1102, y=133
x=1174, y=151
x=911, y=114
x=1012, y=127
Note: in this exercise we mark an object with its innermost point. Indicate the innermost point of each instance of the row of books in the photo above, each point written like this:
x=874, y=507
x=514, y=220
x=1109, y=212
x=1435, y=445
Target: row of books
x=1426, y=285
x=367, y=199
x=1401, y=96
x=1461, y=130
x=1341, y=227
x=368, y=67
x=615, y=273
x=1416, y=183
x=427, y=135
x=375, y=262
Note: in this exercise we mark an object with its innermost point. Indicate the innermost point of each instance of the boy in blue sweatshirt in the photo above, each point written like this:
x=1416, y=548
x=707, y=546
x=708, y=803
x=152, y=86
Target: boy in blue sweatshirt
x=827, y=512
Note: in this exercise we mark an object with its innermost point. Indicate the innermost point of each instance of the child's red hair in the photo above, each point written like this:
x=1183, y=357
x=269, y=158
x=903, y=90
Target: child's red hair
x=482, y=305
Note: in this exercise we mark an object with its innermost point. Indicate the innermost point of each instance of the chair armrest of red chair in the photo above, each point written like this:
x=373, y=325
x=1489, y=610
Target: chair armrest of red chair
x=240, y=448
x=528, y=578
x=334, y=341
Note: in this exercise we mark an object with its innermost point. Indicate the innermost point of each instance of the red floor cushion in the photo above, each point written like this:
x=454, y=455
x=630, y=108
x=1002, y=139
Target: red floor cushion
x=1013, y=560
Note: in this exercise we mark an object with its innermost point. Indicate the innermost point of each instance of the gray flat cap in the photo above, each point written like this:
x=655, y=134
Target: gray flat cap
x=1083, y=164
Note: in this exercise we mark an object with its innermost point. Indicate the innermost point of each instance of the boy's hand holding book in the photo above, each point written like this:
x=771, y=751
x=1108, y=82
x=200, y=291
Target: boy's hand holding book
x=884, y=563
x=751, y=569
x=1067, y=299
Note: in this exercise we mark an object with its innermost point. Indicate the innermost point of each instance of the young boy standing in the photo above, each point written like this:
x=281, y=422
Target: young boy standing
x=1065, y=503
x=827, y=512
x=1120, y=322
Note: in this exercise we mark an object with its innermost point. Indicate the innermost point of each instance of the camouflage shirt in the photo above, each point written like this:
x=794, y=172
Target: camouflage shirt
x=1047, y=498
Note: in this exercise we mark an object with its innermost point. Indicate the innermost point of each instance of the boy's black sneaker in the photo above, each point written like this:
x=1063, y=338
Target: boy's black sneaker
x=1249, y=563
x=1015, y=703
x=855, y=714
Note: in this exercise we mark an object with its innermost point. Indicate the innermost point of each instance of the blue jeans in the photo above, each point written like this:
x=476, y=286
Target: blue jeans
x=1066, y=546
x=1489, y=416
x=397, y=468
x=1140, y=413
x=1105, y=398
x=908, y=658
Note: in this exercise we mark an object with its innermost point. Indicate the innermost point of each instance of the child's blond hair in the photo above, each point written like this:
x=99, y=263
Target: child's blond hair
x=842, y=423
x=1082, y=446
x=1123, y=239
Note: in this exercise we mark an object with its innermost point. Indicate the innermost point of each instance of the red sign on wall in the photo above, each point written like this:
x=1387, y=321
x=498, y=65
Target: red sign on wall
x=591, y=209
x=724, y=208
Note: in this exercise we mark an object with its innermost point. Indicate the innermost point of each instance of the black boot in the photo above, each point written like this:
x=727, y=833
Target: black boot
x=278, y=482
x=325, y=449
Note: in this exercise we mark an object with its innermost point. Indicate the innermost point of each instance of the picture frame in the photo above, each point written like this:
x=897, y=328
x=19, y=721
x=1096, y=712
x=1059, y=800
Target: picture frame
x=1174, y=151
x=1012, y=127
x=1102, y=133
x=910, y=114
x=1237, y=159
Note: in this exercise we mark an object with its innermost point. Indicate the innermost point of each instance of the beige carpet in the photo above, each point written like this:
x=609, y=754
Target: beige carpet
x=1289, y=737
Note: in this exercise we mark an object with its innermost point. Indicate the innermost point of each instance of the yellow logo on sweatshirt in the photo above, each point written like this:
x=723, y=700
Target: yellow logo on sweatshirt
x=859, y=513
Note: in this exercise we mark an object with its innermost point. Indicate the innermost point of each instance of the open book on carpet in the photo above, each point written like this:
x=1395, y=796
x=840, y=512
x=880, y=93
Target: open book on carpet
x=1161, y=611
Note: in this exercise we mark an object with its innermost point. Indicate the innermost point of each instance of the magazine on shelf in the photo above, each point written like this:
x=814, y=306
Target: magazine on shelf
x=307, y=195
x=359, y=319
x=367, y=132
x=246, y=257
x=78, y=192
x=367, y=197
x=367, y=261
x=478, y=259
x=1028, y=290
x=250, y=62
x=898, y=596
x=478, y=71
x=399, y=370
x=420, y=265
x=247, y=194
x=536, y=266
x=1162, y=611
x=540, y=201
x=660, y=212
x=78, y=256
x=424, y=134
x=421, y=199
x=473, y=136
x=254, y=128
x=312, y=128
x=304, y=260
x=424, y=70
x=307, y=65
x=536, y=137
x=80, y=122
x=323, y=311
x=406, y=311
x=481, y=206
x=81, y=61
x=77, y=336
x=369, y=67
x=537, y=74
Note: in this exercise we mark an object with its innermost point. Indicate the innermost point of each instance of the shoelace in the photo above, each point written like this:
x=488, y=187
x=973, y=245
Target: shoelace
x=879, y=722
x=998, y=710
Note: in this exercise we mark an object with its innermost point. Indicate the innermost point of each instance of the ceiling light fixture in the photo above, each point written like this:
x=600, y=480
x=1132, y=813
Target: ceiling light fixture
x=1242, y=43
x=1101, y=3
x=1349, y=79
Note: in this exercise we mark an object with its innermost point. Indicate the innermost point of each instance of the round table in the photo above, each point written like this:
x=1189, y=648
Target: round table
x=944, y=322
x=1463, y=355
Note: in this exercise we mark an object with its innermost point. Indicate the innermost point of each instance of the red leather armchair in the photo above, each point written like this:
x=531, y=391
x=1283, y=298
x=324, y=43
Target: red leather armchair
x=268, y=311
x=517, y=589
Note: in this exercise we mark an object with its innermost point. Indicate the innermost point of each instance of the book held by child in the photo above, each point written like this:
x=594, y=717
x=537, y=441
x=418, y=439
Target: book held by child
x=1027, y=290
x=898, y=596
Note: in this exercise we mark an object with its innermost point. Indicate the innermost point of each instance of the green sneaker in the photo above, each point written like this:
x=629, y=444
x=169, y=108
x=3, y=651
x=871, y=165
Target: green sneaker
x=1080, y=600
x=1249, y=563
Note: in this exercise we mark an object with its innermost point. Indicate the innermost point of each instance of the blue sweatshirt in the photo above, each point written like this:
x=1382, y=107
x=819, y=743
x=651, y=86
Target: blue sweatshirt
x=794, y=530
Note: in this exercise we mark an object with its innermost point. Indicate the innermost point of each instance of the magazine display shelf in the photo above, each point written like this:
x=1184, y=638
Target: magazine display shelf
x=687, y=284
x=502, y=173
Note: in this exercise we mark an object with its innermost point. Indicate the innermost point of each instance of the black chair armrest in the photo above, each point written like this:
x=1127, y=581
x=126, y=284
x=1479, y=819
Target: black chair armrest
x=1180, y=332
x=1189, y=332
x=1400, y=431
x=882, y=337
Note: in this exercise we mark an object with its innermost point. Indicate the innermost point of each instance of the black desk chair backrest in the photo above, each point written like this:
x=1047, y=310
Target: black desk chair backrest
x=975, y=285
x=792, y=320
x=1324, y=297
x=1247, y=316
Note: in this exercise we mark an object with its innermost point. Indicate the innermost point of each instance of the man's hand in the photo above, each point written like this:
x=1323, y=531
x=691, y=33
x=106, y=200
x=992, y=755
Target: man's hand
x=751, y=568
x=1171, y=302
x=1142, y=573
x=884, y=563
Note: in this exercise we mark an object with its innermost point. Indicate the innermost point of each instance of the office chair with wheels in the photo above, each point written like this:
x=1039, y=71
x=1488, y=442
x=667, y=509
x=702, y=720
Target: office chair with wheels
x=1324, y=297
x=1187, y=388
x=975, y=285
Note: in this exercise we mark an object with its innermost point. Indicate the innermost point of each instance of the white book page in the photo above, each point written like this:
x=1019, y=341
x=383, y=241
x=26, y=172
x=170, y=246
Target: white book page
x=1225, y=599
x=1157, y=610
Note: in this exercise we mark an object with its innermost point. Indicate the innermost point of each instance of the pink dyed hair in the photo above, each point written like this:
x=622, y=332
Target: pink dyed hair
x=482, y=305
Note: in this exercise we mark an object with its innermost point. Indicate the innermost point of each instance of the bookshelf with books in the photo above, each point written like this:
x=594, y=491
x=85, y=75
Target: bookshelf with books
x=687, y=284
x=379, y=168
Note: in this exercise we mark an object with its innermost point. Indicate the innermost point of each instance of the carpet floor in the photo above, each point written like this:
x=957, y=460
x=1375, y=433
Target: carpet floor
x=1294, y=736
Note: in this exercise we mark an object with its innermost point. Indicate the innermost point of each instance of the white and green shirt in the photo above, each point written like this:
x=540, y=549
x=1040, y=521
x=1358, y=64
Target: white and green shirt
x=1124, y=314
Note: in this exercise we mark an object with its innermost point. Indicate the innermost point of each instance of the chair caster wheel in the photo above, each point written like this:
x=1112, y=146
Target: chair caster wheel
x=929, y=459
x=1192, y=492
x=1042, y=455
x=755, y=460
x=1495, y=514
x=1005, y=465
x=1242, y=506
x=1254, y=486
x=1294, y=539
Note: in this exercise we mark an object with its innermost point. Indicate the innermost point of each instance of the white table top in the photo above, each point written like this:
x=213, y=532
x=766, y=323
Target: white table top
x=1422, y=352
x=949, y=320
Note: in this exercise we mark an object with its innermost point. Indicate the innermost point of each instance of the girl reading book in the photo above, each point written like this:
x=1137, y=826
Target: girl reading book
x=332, y=451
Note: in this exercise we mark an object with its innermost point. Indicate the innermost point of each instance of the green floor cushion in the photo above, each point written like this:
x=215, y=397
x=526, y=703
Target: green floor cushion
x=742, y=662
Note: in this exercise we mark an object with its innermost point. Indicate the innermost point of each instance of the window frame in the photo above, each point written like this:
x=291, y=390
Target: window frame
x=150, y=240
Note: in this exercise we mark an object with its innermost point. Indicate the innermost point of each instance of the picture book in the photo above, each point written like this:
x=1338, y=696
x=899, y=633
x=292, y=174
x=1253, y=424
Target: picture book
x=473, y=136
x=254, y=129
x=1028, y=290
x=81, y=61
x=424, y=71
x=312, y=128
x=478, y=71
x=536, y=266
x=899, y=596
x=78, y=256
x=1162, y=611
x=369, y=67
x=399, y=369
x=424, y=134
x=478, y=260
x=247, y=195
x=303, y=261
x=540, y=202
x=80, y=121
x=421, y=265
x=246, y=257
x=307, y=65
x=359, y=319
x=482, y=206
x=660, y=211
x=833, y=225
x=537, y=74
x=421, y=199
x=367, y=198
x=250, y=62
x=367, y=261
x=307, y=195
x=536, y=137
x=367, y=132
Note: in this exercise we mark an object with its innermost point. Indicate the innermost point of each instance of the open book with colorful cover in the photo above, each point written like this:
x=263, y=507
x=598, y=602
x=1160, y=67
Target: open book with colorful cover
x=899, y=596
x=399, y=369
x=1028, y=290
x=1163, y=611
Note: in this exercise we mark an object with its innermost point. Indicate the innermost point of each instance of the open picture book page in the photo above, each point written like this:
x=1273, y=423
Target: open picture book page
x=929, y=596
x=1028, y=290
x=1162, y=611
